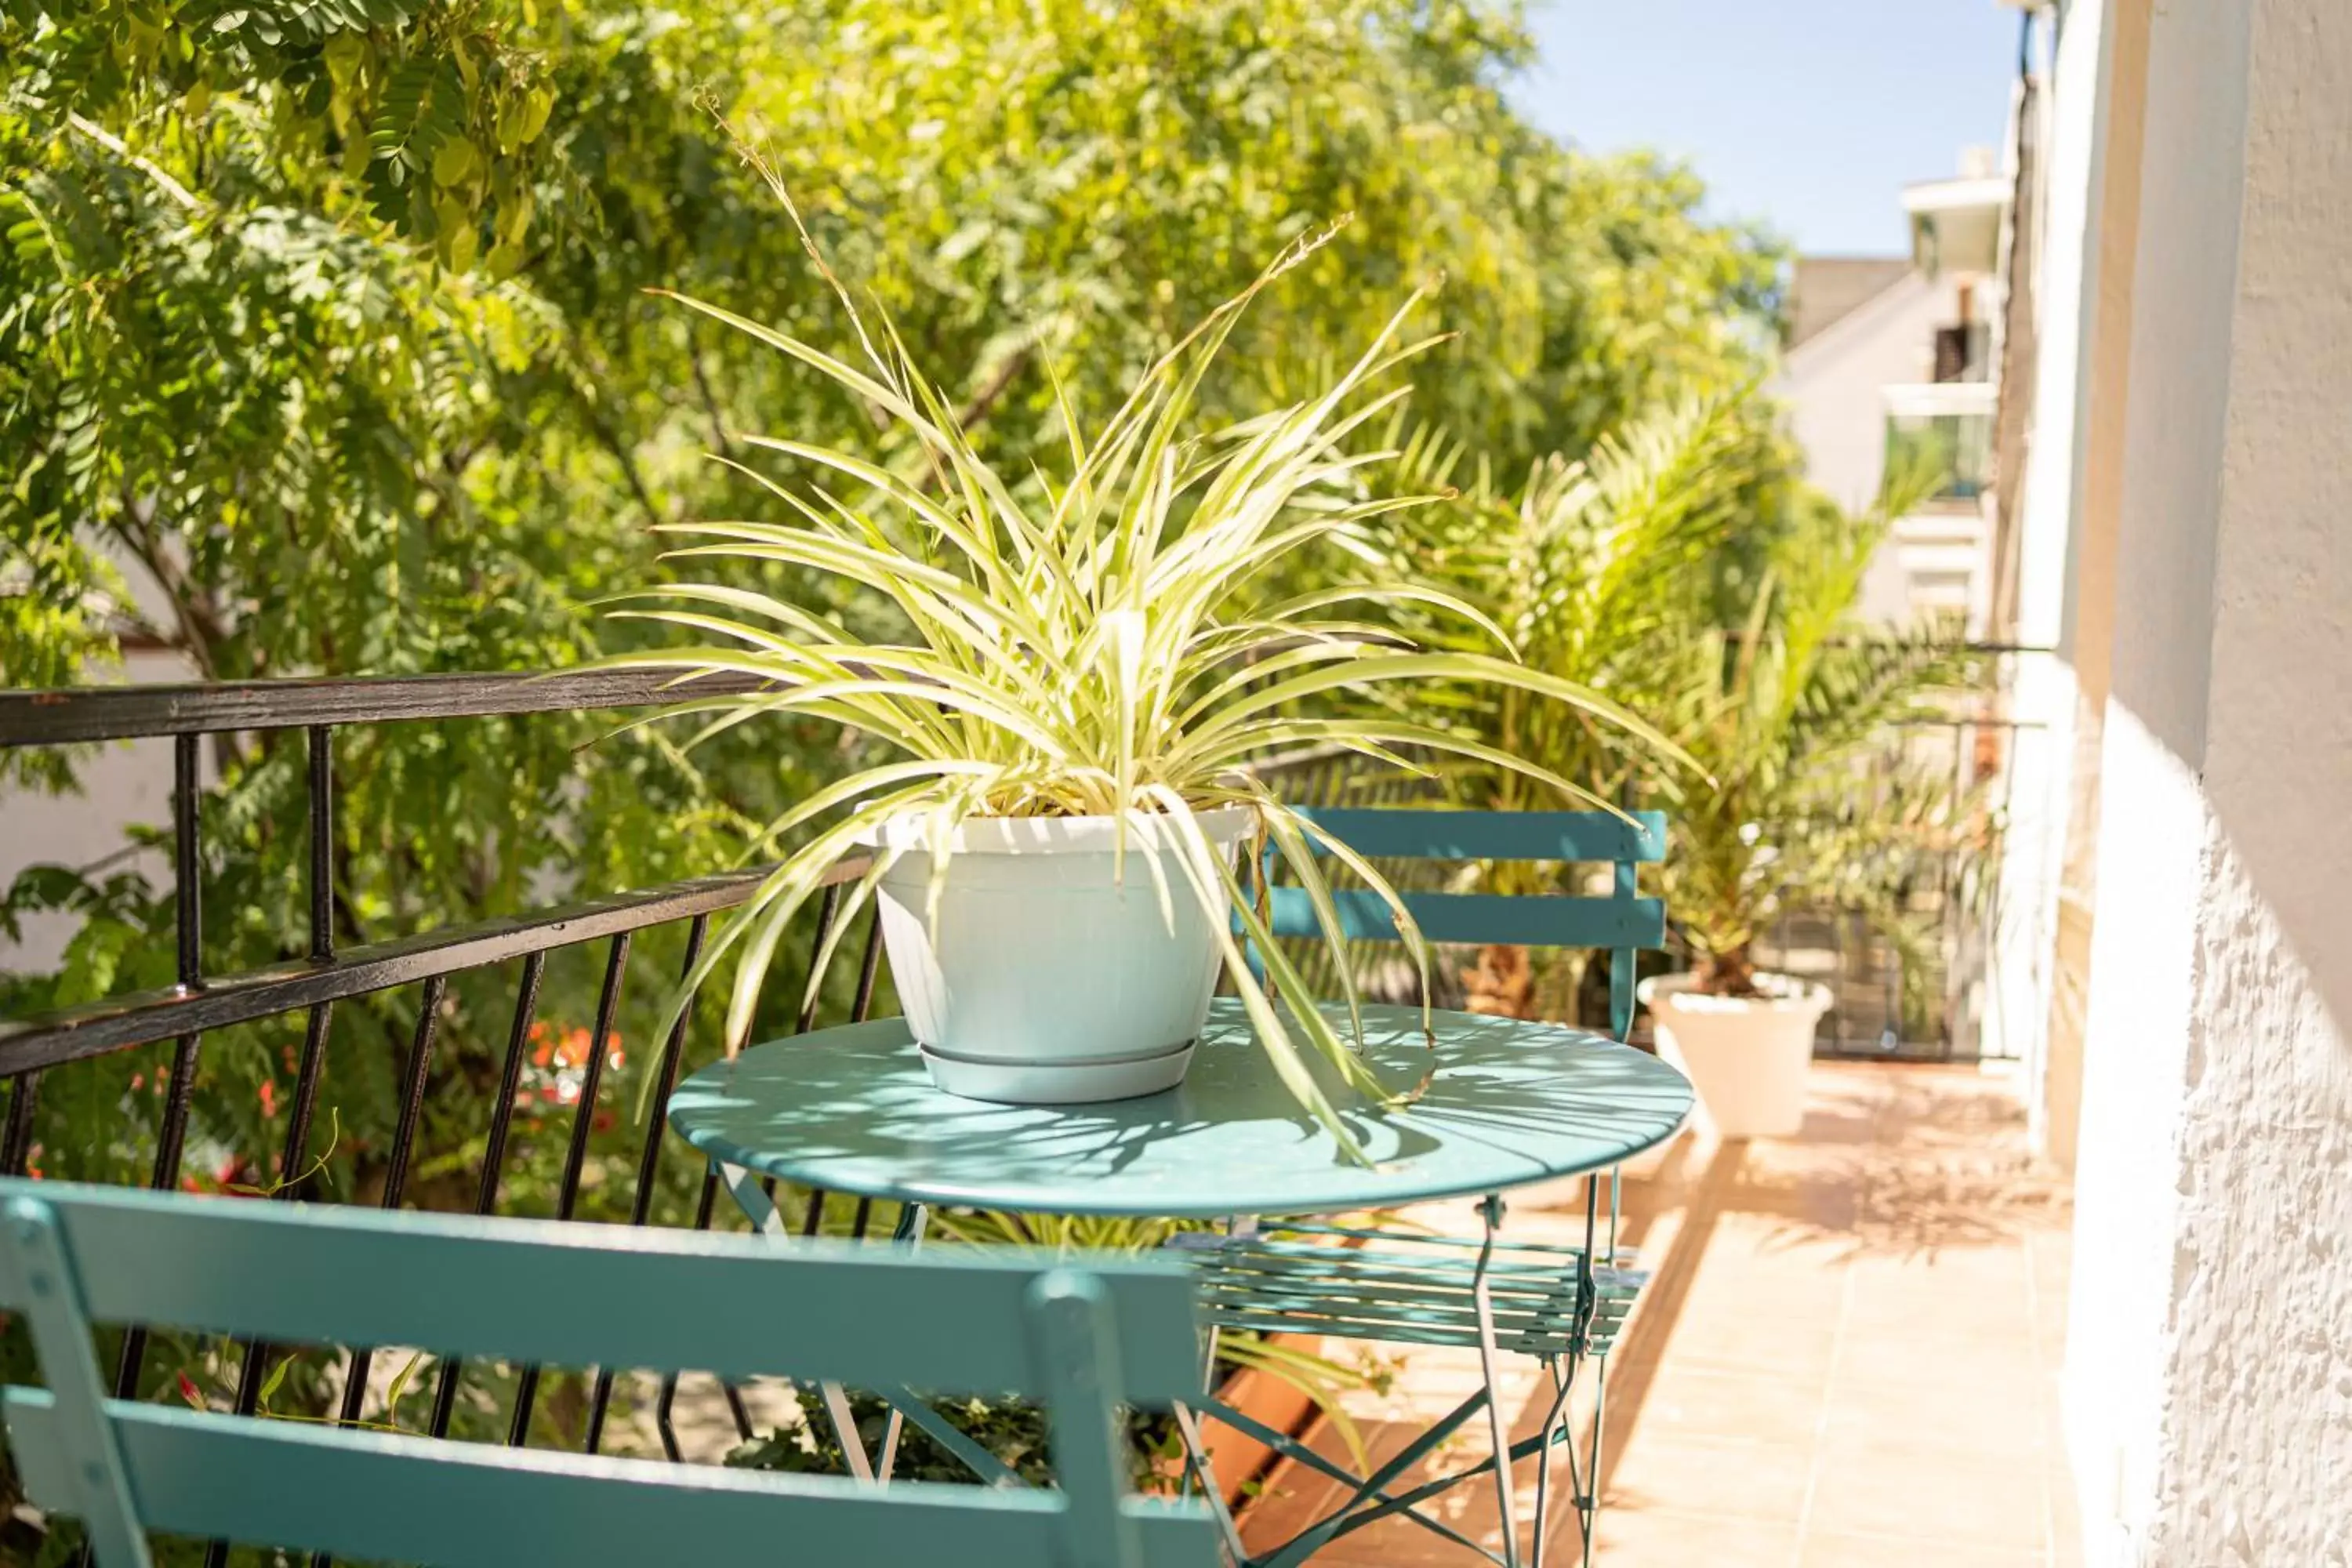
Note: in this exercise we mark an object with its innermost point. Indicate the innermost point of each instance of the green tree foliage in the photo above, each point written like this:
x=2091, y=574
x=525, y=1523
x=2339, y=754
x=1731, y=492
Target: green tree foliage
x=325, y=348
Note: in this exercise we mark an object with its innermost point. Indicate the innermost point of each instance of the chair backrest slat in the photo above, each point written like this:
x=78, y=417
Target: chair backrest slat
x=1570, y=835
x=1622, y=923
x=1481, y=918
x=311, y=1274
x=365, y=1495
x=956, y=1320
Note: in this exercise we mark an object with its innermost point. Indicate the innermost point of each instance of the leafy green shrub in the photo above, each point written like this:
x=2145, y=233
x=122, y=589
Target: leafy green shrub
x=1011, y=1430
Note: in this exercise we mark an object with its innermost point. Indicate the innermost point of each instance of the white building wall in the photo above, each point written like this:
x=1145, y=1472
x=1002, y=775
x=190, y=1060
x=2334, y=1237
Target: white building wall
x=1835, y=384
x=2210, y=1357
x=2042, y=691
x=1835, y=388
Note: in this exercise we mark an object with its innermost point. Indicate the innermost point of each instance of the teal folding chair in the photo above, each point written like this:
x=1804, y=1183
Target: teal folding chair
x=1564, y=1306
x=1080, y=1337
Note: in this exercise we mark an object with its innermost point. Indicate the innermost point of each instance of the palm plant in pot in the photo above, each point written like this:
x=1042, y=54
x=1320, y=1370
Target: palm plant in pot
x=1598, y=570
x=1072, y=672
x=1809, y=802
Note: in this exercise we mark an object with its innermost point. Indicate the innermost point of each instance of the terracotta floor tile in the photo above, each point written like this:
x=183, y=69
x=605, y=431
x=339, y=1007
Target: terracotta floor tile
x=1662, y=1540
x=1761, y=1407
x=1875, y=1487
x=1864, y=1324
x=1986, y=1428
x=1955, y=1310
x=1997, y=1365
x=1887, y=1552
x=1743, y=1343
x=1745, y=1478
x=1794, y=1292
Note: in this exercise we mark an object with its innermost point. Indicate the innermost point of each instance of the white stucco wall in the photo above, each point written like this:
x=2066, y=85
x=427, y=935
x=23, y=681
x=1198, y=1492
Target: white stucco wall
x=2209, y=1355
x=2042, y=689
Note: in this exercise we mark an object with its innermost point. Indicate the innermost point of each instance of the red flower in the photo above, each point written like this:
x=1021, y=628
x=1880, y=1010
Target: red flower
x=269, y=1098
x=191, y=1393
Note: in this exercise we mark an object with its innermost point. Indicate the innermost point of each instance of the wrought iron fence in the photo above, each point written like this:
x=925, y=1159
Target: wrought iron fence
x=35, y=1051
x=416, y=973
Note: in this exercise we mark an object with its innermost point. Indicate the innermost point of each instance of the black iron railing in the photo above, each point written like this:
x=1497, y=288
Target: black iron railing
x=197, y=1003
x=329, y=973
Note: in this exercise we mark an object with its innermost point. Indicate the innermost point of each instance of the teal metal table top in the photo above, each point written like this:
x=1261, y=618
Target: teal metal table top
x=853, y=1110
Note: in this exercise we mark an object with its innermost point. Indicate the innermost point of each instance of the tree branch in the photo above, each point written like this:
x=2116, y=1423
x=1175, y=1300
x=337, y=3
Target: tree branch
x=985, y=399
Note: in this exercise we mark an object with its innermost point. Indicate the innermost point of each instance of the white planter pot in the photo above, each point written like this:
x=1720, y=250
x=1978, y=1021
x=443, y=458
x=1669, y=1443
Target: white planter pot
x=1747, y=1056
x=1047, y=978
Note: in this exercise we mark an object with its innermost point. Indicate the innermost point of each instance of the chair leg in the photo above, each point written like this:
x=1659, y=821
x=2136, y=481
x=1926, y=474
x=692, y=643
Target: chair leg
x=750, y=1196
x=1588, y=1494
x=1556, y=1423
x=1197, y=1466
x=1498, y=1420
x=1588, y=1511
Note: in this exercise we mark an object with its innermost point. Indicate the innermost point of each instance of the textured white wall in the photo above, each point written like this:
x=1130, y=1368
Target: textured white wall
x=2209, y=1361
x=2042, y=695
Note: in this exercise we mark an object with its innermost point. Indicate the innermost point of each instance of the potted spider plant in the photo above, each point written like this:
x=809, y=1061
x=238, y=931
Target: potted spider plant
x=1072, y=673
x=1809, y=802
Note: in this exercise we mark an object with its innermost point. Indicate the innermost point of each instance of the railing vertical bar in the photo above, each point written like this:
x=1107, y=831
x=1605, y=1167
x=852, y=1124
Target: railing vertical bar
x=292, y=1161
x=188, y=889
x=494, y=1154
x=649, y=1156
x=322, y=842
x=665, y=1421
x=592, y=1077
x=170, y=1141
x=395, y=1181
x=826, y=907
x=292, y=1179
x=869, y=965
x=412, y=1108
x=16, y=1140
x=188, y=924
x=576, y=1157
x=813, y=1220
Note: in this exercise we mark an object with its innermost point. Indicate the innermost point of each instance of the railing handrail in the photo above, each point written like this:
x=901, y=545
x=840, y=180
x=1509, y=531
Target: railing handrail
x=73, y=715
x=142, y=1018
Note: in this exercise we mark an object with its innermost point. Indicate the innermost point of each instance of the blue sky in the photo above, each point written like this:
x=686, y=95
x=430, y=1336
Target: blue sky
x=1809, y=114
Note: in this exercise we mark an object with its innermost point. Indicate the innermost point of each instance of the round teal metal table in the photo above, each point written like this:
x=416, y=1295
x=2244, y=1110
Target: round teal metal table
x=1510, y=1103
x=852, y=1111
